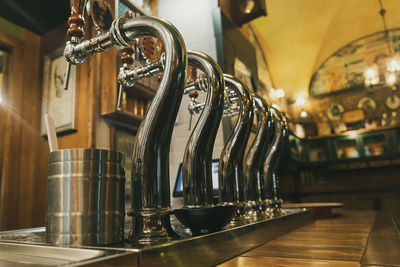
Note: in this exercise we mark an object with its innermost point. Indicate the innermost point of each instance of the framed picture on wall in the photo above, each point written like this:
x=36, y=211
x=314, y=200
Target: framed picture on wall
x=57, y=102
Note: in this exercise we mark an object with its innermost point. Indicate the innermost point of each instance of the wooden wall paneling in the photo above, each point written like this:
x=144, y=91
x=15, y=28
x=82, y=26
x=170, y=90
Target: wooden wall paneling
x=6, y=45
x=109, y=81
x=12, y=136
x=24, y=152
x=108, y=92
x=108, y=88
x=30, y=139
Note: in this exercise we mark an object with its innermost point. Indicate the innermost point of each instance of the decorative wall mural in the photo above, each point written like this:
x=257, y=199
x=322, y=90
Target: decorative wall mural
x=344, y=70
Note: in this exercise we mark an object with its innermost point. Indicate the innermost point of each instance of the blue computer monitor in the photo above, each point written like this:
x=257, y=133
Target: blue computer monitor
x=178, y=188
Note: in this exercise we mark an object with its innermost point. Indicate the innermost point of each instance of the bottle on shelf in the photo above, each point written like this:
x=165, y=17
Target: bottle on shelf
x=384, y=120
x=393, y=120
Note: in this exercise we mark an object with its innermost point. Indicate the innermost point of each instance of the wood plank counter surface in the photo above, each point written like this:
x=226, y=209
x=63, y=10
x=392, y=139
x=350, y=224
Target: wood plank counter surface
x=358, y=238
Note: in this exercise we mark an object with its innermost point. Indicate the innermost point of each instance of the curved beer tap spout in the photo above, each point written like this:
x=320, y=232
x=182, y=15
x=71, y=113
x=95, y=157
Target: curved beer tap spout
x=151, y=200
x=231, y=182
x=254, y=162
x=272, y=162
x=151, y=206
x=196, y=167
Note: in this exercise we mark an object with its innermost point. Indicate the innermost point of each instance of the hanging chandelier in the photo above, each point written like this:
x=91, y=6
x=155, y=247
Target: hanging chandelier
x=389, y=74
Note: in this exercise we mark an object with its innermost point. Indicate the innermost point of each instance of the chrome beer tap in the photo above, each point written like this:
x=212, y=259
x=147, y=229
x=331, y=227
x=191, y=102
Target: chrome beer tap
x=231, y=105
x=194, y=107
x=126, y=61
x=254, y=163
x=196, y=167
x=150, y=174
x=128, y=77
x=271, y=162
x=231, y=180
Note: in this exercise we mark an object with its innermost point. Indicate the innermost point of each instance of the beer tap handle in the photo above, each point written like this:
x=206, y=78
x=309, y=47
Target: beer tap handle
x=75, y=30
x=126, y=60
x=126, y=56
x=66, y=76
x=76, y=21
x=190, y=121
x=193, y=95
x=119, y=99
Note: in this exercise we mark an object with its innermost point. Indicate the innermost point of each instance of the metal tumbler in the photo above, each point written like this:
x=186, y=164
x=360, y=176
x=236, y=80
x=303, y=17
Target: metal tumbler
x=85, y=197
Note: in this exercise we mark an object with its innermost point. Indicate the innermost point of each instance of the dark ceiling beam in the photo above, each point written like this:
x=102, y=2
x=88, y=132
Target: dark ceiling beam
x=38, y=16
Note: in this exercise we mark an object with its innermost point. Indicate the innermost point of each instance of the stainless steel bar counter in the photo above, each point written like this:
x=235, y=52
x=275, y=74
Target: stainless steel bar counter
x=27, y=247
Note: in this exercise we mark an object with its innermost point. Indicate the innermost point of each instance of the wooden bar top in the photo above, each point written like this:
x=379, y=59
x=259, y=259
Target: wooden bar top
x=312, y=205
x=355, y=239
x=320, y=210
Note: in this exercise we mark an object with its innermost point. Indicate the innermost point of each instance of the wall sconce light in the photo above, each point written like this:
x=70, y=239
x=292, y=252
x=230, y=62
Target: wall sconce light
x=391, y=79
x=248, y=6
x=393, y=64
x=303, y=114
x=243, y=11
x=280, y=93
x=272, y=93
x=300, y=101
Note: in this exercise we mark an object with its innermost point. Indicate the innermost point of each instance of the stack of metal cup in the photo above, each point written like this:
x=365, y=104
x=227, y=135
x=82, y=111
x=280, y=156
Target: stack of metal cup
x=85, y=197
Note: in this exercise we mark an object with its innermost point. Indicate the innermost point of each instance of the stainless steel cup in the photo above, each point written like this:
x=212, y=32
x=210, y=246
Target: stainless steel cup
x=85, y=197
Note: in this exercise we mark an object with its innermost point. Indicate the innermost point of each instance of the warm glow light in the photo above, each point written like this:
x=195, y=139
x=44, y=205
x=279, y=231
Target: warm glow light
x=300, y=131
x=393, y=64
x=391, y=79
x=353, y=135
x=303, y=114
x=249, y=6
x=300, y=101
x=272, y=93
x=371, y=75
x=280, y=93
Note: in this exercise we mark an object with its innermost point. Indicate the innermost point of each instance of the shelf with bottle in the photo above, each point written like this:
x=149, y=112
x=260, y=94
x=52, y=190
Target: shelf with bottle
x=347, y=149
x=358, y=150
x=375, y=145
x=318, y=151
x=297, y=148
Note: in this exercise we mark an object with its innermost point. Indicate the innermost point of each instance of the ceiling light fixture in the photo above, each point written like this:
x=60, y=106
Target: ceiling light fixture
x=373, y=74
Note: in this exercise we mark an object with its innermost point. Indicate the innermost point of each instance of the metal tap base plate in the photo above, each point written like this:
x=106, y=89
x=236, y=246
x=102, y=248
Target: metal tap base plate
x=27, y=247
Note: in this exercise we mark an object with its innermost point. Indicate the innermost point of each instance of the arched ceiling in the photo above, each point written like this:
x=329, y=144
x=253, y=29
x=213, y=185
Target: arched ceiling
x=297, y=36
